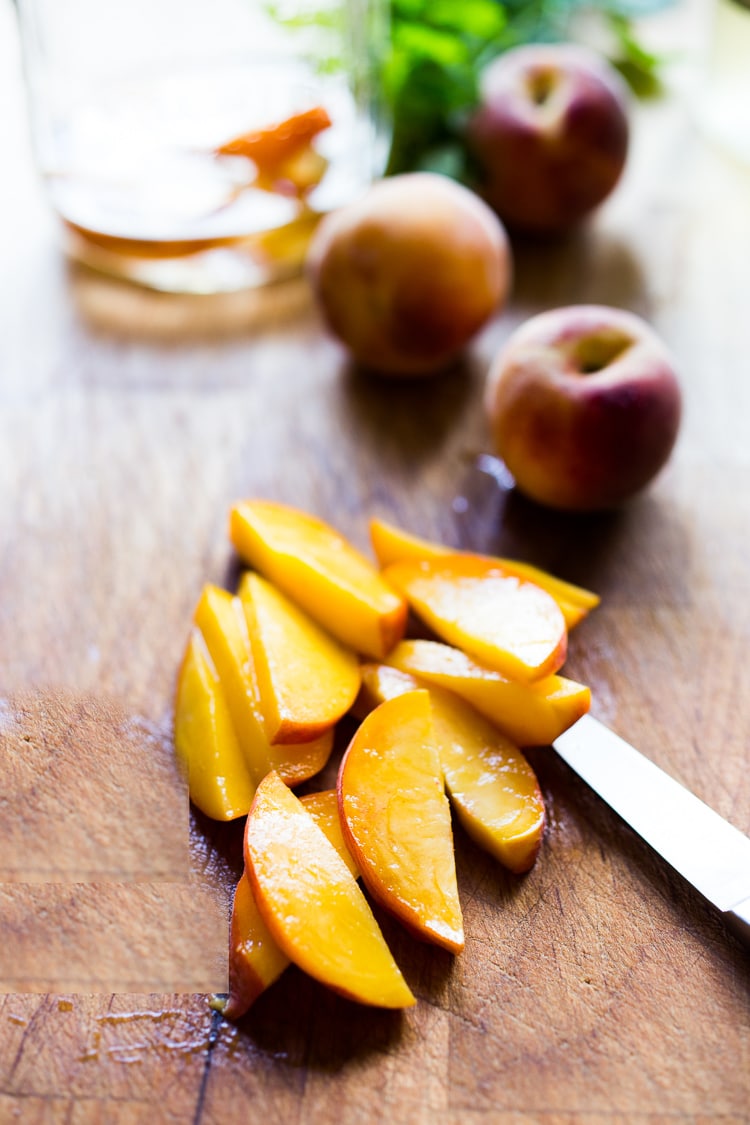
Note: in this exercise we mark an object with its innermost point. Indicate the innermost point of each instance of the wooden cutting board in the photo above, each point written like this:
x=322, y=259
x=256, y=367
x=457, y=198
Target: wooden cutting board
x=598, y=987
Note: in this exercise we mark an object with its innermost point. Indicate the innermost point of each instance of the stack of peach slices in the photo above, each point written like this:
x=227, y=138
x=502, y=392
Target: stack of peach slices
x=314, y=632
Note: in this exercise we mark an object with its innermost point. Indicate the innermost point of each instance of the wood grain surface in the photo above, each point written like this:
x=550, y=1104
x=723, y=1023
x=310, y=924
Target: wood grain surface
x=599, y=987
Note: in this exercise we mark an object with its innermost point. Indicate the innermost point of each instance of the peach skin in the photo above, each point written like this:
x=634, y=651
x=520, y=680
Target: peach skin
x=549, y=136
x=528, y=714
x=584, y=406
x=508, y=623
x=312, y=904
x=396, y=819
x=322, y=572
x=222, y=622
x=406, y=274
x=391, y=545
x=306, y=679
x=219, y=781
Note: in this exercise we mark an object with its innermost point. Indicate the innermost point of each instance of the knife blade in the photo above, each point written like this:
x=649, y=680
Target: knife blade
x=699, y=844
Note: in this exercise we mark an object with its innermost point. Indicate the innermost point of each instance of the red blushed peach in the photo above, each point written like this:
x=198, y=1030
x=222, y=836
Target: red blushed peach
x=409, y=273
x=584, y=406
x=550, y=136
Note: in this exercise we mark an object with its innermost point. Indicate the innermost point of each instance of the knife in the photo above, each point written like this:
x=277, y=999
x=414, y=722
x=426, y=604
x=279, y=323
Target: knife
x=703, y=847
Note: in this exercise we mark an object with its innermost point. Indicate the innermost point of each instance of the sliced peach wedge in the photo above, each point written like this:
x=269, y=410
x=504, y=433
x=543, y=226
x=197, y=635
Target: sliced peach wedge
x=255, y=960
x=219, y=781
x=323, y=807
x=322, y=572
x=381, y=682
x=391, y=545
x=221, y=619
x=307, y=680
x=508, y=623
x=491, y=785
x=283, y=152
x=396, y=819
x=312, y=904
x=528, y=714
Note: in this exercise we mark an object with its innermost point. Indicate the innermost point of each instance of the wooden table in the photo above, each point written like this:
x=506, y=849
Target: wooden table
x=597, y=988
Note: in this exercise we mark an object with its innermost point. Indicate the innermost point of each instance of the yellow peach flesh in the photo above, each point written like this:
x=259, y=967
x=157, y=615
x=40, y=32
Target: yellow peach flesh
x=381, y=682
x=255, y=960
x=307, y=680
x=222, y=622
x=312, y=904
x=491, y=785
x=528, y=714
x=392, y=545
x=396, y=818
x=323, y=807
x=508, y=623
x=322, y=572
x=219, y=781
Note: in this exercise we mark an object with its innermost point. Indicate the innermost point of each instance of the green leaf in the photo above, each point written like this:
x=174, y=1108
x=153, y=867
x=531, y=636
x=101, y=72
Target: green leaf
x=481, y=19
x=421, y=41
x=638, y=66
x=440, y=47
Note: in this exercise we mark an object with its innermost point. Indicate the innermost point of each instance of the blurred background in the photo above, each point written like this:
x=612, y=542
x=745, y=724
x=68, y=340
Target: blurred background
x=164, y=165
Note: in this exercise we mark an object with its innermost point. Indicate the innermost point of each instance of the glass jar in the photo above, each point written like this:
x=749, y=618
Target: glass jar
x=192, y=145
x=724, y=100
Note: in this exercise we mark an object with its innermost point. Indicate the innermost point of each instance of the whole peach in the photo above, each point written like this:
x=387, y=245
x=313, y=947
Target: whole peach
x=550, y=136
x=406, y=275
x=584, y=406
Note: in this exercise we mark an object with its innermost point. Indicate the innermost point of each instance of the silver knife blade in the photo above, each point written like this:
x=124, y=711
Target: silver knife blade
x=703, y=847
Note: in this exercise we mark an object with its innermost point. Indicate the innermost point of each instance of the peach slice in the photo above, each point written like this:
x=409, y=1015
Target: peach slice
x=491, y=785
x=396, y=818
x=317, y=568
x=381, y=682
x=219, y=781
x=507, y=622
x=528, y=714
x=221, y=619
x=312, y=904
x=323, y=807
x=284, y=158
x=270, y=147
x=255, y=960
x=391, y=545
x=307, y=679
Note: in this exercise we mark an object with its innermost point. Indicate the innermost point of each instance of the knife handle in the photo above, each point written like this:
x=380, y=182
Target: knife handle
x=738, y=920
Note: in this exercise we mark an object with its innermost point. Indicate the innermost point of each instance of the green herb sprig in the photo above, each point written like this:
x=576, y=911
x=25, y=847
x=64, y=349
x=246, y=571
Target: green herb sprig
x=440, y=47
